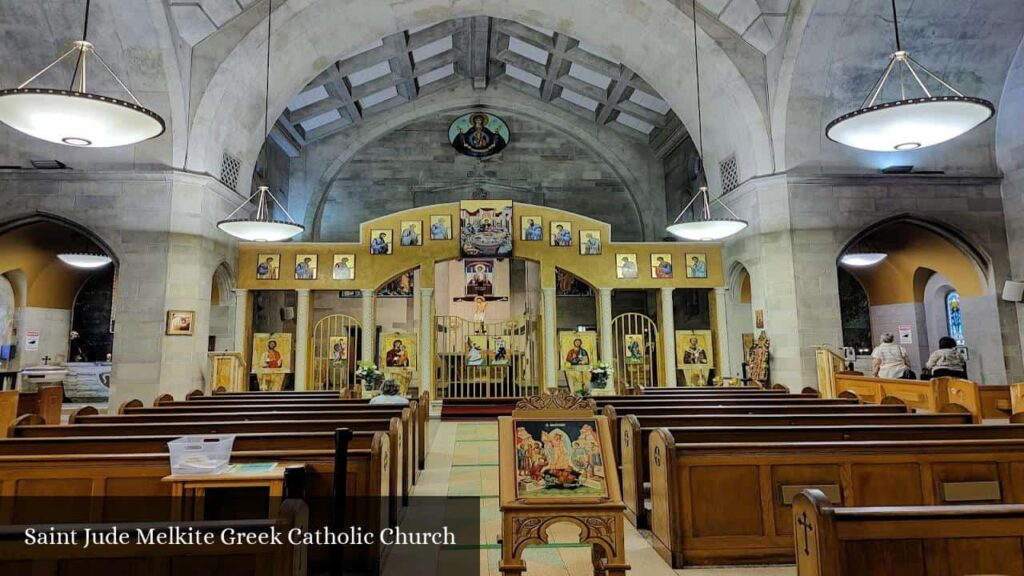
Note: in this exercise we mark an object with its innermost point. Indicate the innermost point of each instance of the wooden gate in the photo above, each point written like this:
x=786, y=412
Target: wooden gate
x=334, y=349
x=474, y=360
x=637, y=351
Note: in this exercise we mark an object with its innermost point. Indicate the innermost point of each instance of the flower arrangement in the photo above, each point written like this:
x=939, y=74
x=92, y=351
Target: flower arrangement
x=600, y=374
x=369, y=374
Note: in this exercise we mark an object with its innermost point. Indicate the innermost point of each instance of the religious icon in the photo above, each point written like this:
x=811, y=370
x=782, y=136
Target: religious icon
x=559, y=459
x=531, y=228
x=661, y=266
x=412, y=233
x=305, y=266
x=478, y=134
x=381, y=241
x=344, y=267
x=634, y=348
x=561, y=233
x=401, y=286
x=179, y=322
x=486, y=228
x=577, y=349
x=590, y=242
x=567, y=284
x=499, y=350
x=748, y=345
x=759, y=319
x=268, y=266
x=272, y=353
x=476, y=351
x=479, y=277
x=479, y=311
x=696, y=265
x=339, y=350
x=694, y=355
x=441, y=227
x=398, y=351
x=625, y=266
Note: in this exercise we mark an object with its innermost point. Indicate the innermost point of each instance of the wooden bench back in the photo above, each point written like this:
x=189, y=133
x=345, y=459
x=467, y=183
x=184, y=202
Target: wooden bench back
x=935, y=395
x=730, y=502
x=18, y=557
x=78, y=476
x=889, y=541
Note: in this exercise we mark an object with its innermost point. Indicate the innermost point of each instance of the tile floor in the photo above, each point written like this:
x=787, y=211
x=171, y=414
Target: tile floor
x=463, y=461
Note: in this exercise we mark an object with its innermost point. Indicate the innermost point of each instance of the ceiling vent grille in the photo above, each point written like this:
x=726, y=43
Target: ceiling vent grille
x=229, y=168
x=730, y=174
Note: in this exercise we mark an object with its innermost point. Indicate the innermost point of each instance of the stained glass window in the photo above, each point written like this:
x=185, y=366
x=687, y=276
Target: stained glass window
x=954, y=318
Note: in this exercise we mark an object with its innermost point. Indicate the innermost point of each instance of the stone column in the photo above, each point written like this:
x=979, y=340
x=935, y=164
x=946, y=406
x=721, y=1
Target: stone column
x=722, y=331
x=604, y=316
x=302, y=338
x=668, y=335
x=550, y=336
x=369, y=324
x=243, y=306
x=426, y=340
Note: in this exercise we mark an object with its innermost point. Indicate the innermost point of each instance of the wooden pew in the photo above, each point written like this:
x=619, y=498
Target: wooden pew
x=894, y=541
x=935, y=395
x=634, y=433
x=402, y=463
x=18, y=557
x=45, y=403
x=616, y=412
x=701, y=389
x=352, y=472
x=729, y=503
x=416, y=429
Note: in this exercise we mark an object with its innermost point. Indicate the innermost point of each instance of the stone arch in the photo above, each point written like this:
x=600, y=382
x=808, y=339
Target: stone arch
x=356, y=140
x=310, y=34
x=19, y=220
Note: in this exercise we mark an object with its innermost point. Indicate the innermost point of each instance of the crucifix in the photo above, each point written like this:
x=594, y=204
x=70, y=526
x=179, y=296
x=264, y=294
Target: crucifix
x=802, y=522
x=46, y=360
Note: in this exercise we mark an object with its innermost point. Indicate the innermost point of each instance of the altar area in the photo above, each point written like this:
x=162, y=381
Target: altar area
x=480, y=299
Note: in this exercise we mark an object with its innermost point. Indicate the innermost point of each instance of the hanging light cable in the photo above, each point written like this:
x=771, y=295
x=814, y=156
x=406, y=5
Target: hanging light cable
x=908, y=123
x=77, y=117
x=261, y=227
x=704, y=227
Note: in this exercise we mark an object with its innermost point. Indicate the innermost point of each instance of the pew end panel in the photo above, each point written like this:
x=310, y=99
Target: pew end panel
x=8, y=410
x=1017, y=397
x=811, y=390
x=133, y=403
x=194, y=394
x=163, y=399
x=609, y=412
x=664, y=520
x=963, y=393
x=73, y=418
x=424, y=421
x=815, y=536
x=631, y=462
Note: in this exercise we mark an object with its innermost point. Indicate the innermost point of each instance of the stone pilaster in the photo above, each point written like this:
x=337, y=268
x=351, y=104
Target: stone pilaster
x=550, y=337
x=668, y=335
x=302, y=338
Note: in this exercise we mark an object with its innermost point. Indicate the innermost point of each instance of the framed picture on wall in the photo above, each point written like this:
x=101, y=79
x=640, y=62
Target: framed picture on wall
x=696, y=265
x=590, y=242
x=661, y=266
x=531, y=228
x=344, y=267
x=412, y=233
x=268, y=266
x=381, y=242
x=179, y=322
x=441, y=227
x=306, y=266
x=561, y=233
x=625, y=266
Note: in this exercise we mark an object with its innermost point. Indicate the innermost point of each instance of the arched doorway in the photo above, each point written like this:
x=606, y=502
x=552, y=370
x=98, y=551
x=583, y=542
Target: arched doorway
x=222, y=310
x=917, y=276
x=638, y=351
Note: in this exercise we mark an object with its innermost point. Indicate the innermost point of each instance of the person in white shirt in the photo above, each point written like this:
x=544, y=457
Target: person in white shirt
x=889, y=360
x=389, y=395
x=947, y=361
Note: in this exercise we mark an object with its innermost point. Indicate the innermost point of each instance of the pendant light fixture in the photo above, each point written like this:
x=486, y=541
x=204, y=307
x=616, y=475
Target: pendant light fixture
x=916, y=120
x=704, y=227
x=84, y=260
x=861, y=259
x=261, y=227
x=75, y=116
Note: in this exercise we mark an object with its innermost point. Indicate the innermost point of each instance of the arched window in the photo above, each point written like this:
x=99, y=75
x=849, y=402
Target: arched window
x=954, y=318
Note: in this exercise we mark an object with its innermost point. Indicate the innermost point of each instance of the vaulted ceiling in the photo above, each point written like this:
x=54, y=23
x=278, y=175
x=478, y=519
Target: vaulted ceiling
x=552, y=67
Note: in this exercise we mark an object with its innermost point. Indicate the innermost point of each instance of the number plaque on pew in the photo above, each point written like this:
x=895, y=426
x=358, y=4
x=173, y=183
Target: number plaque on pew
x=556, y=465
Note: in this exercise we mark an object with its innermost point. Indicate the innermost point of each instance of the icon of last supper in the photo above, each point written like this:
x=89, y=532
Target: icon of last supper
x=559, y=459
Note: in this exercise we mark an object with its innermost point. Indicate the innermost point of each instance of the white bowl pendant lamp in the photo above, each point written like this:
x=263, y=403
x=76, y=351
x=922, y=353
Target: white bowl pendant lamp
x=75, y=116
x=705, y=227
x=862, y=259
x=84, y=260
x=914, y=121
x=261, y=227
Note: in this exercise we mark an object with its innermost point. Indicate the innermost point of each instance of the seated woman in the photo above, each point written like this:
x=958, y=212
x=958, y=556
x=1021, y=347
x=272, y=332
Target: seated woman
x=946, y=361
x=389, y=394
